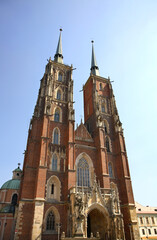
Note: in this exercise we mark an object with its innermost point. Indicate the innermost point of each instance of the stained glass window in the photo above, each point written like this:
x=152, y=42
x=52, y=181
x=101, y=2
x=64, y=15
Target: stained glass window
x=50, y=223
x=54, y=162
x=57, y=115
x=110, y=169
x=83, y=173
x=60, y=77
x=56, y=137
x=107, y=145
x=103, y=108
x=59, y=95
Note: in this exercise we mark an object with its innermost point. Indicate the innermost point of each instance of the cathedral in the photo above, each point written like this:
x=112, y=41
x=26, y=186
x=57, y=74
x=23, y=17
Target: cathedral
x=75, y=183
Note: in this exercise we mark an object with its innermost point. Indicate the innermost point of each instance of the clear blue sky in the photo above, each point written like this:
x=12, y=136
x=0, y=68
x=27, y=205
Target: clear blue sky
x=125, y=35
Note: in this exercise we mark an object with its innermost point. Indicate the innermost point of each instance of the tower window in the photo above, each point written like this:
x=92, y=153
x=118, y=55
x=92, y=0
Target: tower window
x=149, y=231
x=143, y=231
x=105, y=128
x=155, y=231
x=56, y=136
x=103, y=108
x=54, y=162
x=50, y=223
x=83, y=173
x=52, y=189
x=57, y=115
x=59, y=95
x=60, y=77
x=14, y=199
x=100, y=86
x=110, y=169
x=107, y=144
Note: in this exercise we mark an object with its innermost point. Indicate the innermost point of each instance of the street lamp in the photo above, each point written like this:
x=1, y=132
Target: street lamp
x=58, y=228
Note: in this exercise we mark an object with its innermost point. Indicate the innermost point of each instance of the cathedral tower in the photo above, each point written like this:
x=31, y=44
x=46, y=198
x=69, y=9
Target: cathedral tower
x=49, y=154
x=75, y=183
x=103, y=123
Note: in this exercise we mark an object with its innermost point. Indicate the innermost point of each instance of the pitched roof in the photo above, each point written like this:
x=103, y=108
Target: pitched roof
x=81, y=133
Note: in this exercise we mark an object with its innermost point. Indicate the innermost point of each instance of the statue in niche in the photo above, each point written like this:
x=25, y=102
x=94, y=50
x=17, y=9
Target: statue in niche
x=48, y=110
x=115, y=201
x=71, y=112
x=78, y=206
x=100, y=121
x=116, y=206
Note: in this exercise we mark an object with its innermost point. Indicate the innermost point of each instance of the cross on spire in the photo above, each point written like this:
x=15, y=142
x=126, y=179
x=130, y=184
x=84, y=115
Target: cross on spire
x=94, y=67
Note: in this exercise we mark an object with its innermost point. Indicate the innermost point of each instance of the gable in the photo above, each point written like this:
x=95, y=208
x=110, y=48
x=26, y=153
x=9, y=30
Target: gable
x=81, y=133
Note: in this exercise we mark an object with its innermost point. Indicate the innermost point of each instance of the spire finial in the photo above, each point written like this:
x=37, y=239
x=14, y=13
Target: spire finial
x=58, y=56
x=94, y=68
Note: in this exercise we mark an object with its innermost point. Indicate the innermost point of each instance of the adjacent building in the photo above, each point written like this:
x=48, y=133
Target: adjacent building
x=147, y=220
x=9, y=193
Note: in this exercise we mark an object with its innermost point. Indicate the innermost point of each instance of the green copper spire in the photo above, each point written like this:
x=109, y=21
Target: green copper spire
x=58, y=56
x=94, y=68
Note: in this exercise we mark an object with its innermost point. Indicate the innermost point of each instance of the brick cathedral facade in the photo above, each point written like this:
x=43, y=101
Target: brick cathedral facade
x=75, y=183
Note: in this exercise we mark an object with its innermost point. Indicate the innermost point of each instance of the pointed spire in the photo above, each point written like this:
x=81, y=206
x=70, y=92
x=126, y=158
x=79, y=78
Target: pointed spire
x=58, y=56
x=94, y=68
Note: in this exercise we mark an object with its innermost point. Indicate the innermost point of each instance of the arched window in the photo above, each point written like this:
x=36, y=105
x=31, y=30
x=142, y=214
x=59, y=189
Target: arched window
x=59, y=95
x=54, y=162
x=57, y=115
x=100, y=86
x=50, y=221
x=110, y=169
x=105, y=128
x=83, y=173
x=60, y=77
x=14, y=199
x=56, y=136
x=107, y=144
x=103, y=108
x=52, y=189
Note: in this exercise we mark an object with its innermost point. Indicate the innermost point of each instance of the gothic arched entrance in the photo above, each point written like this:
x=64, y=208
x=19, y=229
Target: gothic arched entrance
x=97, y=222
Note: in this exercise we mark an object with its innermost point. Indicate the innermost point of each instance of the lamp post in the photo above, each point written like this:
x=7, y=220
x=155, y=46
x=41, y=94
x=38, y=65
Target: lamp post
x=58, y=228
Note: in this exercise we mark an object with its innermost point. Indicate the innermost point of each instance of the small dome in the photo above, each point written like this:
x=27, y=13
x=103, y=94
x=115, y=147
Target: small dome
x=11, y=184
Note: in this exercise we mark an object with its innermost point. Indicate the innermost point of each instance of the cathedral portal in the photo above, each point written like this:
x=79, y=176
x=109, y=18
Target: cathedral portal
x=96, y=223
